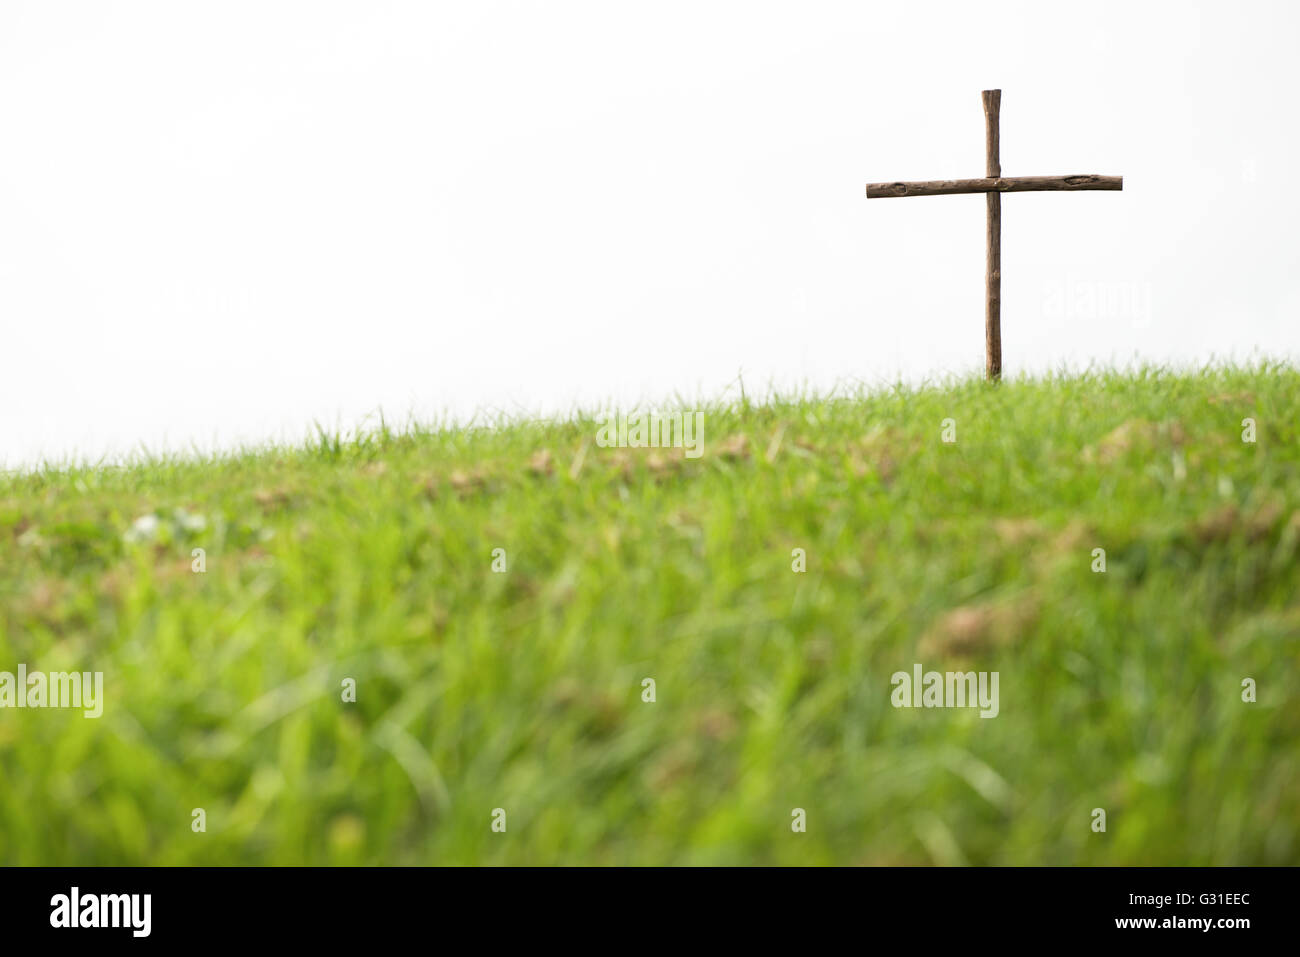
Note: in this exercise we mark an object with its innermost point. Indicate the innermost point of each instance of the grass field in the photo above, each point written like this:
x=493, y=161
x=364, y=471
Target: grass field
x=371, y=559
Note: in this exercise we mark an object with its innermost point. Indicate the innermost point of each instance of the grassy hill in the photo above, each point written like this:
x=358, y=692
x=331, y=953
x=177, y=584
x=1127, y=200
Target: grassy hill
x=371, y=560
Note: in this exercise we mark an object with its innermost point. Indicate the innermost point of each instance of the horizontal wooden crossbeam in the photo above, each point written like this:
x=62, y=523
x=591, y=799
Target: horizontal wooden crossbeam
x=999, y=184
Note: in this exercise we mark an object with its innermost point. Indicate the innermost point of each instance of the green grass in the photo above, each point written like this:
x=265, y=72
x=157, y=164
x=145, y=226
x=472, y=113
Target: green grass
x=371, y=559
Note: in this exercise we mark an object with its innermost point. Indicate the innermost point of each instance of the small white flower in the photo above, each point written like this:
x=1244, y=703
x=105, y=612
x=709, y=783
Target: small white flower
x=143, y=529
x=190, y=521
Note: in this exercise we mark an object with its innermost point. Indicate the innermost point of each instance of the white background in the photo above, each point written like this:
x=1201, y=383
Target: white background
x=222, y=221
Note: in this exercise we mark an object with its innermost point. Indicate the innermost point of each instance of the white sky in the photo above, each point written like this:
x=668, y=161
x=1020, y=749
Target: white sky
x=220, y=221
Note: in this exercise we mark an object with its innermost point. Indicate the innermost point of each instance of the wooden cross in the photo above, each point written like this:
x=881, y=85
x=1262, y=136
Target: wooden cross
x=994, y=184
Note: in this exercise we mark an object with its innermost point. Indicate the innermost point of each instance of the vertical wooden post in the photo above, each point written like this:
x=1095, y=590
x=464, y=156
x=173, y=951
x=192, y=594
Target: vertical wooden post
x=993, y=274
x=993, y=185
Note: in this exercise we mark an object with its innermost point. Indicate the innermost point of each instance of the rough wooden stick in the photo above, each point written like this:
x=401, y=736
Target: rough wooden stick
x=998, y=184
x=994, y=184
x=993, y=267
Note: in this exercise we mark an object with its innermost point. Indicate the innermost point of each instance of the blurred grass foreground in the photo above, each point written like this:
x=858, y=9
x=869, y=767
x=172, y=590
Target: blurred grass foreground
x=513, y=645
